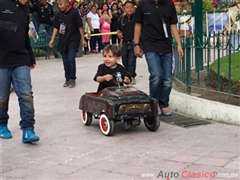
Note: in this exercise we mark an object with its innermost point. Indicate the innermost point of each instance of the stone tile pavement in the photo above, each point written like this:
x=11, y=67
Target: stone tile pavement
x=69, y=150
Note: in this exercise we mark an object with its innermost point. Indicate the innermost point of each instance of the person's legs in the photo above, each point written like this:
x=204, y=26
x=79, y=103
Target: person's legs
x=35, y=20
x=125, y=55
x=66, y=67
x=72, y=63
x=21, y=81
x=155, y=70
x=5, y=81
x=41, y=28
x=93, y=41
x=166, y=83
x=49, y=29
x=131, y=61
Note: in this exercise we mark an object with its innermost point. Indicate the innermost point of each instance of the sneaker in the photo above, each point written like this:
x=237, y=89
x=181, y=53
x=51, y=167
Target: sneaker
x=5, y=133
x=133, y=81
x=29, y=136
x=72, y=83
x=66, y=84
x=166, y=111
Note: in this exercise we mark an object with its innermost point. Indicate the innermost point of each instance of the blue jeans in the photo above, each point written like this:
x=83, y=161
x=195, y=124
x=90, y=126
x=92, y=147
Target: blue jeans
x=21, y=81
x=128, y=58
x=94, y=40
x=35, y=20
x=160, y=80
x=47, y=27
x=69, y=63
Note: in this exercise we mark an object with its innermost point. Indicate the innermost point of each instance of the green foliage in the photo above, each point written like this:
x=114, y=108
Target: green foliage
x=207, y=5
x=235, y=66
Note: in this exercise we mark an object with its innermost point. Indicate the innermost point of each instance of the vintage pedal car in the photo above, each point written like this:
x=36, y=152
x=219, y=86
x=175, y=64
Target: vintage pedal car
x=119, y=104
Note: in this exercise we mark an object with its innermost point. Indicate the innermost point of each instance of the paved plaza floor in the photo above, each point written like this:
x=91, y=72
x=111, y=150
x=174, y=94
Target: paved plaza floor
x=70, y=150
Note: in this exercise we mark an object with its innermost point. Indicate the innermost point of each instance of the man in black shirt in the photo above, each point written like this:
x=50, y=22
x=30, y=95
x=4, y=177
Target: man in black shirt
x=156, y=23
x=45, y=17
x=125, y=31
x=16, y=60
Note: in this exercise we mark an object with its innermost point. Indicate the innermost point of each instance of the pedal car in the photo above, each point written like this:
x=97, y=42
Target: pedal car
x=119, y=104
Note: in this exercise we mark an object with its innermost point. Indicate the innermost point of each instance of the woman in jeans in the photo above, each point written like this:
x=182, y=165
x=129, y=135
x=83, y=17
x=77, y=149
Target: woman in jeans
x=93, y=21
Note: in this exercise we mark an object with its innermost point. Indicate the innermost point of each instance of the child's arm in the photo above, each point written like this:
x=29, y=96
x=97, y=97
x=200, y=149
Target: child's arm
x=107, y=77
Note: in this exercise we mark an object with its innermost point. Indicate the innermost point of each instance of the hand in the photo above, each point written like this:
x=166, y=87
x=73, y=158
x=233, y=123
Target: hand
x=180, y=52
x=32, y=66
x=108, y=77
x=126, y=80
x=138, y=51
x=50, y=44
x=84, y=43
x=92, y=30
x=120, y=35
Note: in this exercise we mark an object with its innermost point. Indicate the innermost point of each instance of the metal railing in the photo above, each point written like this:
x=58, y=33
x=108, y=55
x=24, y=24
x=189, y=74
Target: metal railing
x=214, y=47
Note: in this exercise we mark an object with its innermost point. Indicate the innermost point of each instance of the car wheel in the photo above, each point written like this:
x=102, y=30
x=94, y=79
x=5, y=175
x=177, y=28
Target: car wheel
x=86, y=118
x=106, y=125
x=152, y=123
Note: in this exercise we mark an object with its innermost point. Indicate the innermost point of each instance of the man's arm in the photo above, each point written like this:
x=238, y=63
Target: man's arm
x=177, y=39
x=137, y=33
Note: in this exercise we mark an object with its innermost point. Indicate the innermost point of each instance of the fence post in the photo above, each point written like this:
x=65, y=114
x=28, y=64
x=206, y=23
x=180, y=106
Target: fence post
x=197, y=13
x=188, y=64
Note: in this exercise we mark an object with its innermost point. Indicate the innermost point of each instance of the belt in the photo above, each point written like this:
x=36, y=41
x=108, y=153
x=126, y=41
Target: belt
x=128, y=42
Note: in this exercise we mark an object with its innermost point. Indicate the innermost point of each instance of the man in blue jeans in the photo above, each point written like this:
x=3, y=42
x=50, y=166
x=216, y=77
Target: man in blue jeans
x=155, y=22
x=16, y=60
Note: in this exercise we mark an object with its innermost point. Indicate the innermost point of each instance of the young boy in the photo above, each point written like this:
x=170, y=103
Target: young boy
x=125, y=32
x=68, y=24
x=110, y=66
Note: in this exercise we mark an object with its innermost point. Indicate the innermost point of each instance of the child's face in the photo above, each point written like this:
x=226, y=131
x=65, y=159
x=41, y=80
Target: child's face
x=105, y=15
x=110, y=60
x=63, y=6
x=129, y=8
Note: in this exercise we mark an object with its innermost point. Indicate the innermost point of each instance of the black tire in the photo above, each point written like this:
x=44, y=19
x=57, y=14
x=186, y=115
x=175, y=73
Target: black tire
x=152, y=123
x=106, y=125
x=86, y=118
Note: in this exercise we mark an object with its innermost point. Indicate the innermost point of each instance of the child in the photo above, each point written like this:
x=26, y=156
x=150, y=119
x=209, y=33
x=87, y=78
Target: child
x=125, y=31
x=110, y=66
x=105, y=27
x=68, y=24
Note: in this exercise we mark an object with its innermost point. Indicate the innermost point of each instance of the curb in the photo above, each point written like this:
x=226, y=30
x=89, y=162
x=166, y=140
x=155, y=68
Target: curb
x=205, y=109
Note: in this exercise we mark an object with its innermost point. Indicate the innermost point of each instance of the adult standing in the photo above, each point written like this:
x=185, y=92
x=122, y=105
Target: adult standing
x=156, y=22
x=93, y=21
x=68, y=25
x=16, y=60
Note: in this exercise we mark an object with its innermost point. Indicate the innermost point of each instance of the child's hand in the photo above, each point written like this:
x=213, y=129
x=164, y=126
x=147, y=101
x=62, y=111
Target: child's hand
x=126, y=80
x=108, y=77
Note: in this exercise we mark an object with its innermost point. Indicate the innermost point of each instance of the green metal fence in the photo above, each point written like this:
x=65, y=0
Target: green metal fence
x=214, y=48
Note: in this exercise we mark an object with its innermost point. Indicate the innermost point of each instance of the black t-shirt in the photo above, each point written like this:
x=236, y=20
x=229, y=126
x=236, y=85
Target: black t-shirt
x=114, y=23
x=126, y=26
x=103, y=70
x=150, y=14
x=15, y=49
x=72, y=22
x=45, y=15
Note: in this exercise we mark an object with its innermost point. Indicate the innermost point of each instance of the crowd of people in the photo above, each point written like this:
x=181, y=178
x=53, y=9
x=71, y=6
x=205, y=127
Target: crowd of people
x=97, y=18
x=146, y=30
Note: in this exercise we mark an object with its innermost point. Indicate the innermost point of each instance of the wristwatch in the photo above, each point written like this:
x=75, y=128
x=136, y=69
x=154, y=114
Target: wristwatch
x=136, y=44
